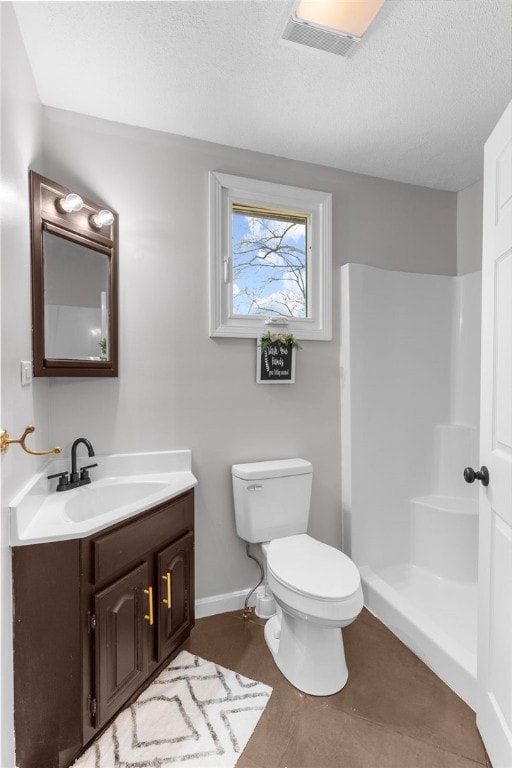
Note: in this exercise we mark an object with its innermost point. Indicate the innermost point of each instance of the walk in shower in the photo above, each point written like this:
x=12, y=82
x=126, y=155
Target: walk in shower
x=410, y=363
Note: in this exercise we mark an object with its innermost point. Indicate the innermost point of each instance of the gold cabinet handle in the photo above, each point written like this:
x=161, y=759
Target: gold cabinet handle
x=149, y=616
x=167, y=578
x=6, y=441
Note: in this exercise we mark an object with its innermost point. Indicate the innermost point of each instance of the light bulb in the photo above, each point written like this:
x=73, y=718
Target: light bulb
x=103, y=218
x=71, y=203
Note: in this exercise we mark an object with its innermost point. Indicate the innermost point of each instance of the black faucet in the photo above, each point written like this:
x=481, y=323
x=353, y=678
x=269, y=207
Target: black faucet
x=74, y=480
x=74, y=474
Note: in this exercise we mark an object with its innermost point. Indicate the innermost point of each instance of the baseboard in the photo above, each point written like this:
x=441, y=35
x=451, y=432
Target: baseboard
x=231, y=601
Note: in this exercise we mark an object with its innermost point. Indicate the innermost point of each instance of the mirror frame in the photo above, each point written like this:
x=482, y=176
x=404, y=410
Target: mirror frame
x=46, y=217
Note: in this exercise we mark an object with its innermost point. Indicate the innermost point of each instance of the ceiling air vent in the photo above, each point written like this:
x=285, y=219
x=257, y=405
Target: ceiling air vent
x=298, y=31
x=335, y=26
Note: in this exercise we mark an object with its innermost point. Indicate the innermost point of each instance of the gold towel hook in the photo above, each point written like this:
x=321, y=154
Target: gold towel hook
x=6, y=441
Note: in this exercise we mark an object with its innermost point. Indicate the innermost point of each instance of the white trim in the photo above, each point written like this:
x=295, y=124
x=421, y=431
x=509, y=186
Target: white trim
x=226, y=189
x=231, y=601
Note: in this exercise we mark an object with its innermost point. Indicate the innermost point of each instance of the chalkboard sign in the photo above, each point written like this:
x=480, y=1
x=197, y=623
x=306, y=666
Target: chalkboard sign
x=275, y=364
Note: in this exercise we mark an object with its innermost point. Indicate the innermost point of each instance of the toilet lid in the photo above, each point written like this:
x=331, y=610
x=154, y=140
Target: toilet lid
x=308, y=566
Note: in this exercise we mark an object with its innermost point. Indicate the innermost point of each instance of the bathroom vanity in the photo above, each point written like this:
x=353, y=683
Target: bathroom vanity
x=95, y=619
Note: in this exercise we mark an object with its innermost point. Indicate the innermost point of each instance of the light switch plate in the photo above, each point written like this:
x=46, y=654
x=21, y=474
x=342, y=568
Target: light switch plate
x=26, y=373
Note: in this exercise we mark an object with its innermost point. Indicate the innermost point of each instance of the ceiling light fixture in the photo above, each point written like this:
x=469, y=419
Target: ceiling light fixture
x=70, y=204
x=103, y=218
x=335, y=26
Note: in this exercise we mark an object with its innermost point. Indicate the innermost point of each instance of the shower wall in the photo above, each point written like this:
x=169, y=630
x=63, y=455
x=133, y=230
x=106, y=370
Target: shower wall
x=465, y=363
x=395, y=374
x=410, y=372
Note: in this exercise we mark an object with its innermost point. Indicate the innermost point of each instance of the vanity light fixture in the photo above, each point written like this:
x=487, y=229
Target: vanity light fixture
x=70, y=204
x=335, y=26
x=103, y=218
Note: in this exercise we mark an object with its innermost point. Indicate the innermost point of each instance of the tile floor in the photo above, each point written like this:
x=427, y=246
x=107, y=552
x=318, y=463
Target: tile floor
x=393, y=712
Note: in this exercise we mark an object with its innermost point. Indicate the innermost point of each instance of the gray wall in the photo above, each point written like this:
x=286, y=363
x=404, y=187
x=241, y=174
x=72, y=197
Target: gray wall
x=21, y=138
x=469, y=228
x=178, y=388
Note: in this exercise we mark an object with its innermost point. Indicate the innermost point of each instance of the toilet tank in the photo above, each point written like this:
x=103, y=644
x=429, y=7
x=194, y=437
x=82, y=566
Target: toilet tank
x=272, y=498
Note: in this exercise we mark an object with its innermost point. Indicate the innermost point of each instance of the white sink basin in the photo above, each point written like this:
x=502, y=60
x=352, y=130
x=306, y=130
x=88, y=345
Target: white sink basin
x=108, y=495
x=122, y=486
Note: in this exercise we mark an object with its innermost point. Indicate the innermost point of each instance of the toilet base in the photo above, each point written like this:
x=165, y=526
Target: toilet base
x=309, y=655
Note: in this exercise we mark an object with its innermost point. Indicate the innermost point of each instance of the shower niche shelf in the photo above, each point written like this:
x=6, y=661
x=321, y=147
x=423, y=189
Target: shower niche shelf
x=443, y=555
x=452, y=508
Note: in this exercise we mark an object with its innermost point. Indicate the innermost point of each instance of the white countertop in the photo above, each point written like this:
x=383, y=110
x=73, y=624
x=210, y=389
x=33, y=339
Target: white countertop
x=123, y=485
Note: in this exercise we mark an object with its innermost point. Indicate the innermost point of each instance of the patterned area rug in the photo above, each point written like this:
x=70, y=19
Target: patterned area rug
x=195, y=714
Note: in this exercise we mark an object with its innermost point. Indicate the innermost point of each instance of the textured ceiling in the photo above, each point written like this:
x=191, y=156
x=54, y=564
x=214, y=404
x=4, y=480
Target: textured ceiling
x=415, y=102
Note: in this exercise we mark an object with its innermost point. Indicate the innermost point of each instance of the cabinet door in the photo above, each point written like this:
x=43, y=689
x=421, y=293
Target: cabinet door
x=121, y=646
x=175, y=566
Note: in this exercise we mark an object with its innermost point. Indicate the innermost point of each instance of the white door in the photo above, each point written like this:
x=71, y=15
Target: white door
x=494, y=703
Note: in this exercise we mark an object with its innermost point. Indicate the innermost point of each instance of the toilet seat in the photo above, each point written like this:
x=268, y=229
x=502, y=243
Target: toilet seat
x=309, y=567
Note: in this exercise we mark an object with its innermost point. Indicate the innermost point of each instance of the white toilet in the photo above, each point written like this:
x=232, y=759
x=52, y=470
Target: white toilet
x=317, y=588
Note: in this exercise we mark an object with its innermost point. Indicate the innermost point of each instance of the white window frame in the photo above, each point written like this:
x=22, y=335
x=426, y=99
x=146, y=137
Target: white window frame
x=226, y=189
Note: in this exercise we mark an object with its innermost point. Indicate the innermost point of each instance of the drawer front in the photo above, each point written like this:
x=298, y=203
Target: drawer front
x=118, y=548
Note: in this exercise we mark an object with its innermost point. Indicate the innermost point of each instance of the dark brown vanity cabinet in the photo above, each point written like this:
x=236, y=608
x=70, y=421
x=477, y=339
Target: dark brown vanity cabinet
x=95, y=620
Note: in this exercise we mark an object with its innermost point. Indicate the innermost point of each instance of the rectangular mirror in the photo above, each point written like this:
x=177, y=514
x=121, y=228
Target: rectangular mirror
x=75, y=300
x=74, y=284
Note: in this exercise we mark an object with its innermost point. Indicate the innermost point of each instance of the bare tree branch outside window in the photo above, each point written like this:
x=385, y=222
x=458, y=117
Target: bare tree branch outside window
x=269, y=264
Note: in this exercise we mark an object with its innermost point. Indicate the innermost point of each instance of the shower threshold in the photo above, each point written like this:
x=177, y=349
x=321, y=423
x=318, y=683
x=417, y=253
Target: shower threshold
x=435, y=617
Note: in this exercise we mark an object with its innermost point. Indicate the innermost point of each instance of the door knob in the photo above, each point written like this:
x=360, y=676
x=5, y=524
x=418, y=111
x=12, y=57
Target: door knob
x=481, y=474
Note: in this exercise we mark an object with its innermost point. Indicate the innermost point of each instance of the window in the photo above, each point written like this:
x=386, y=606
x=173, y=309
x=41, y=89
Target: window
x=269, y=270
x=270, y=258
